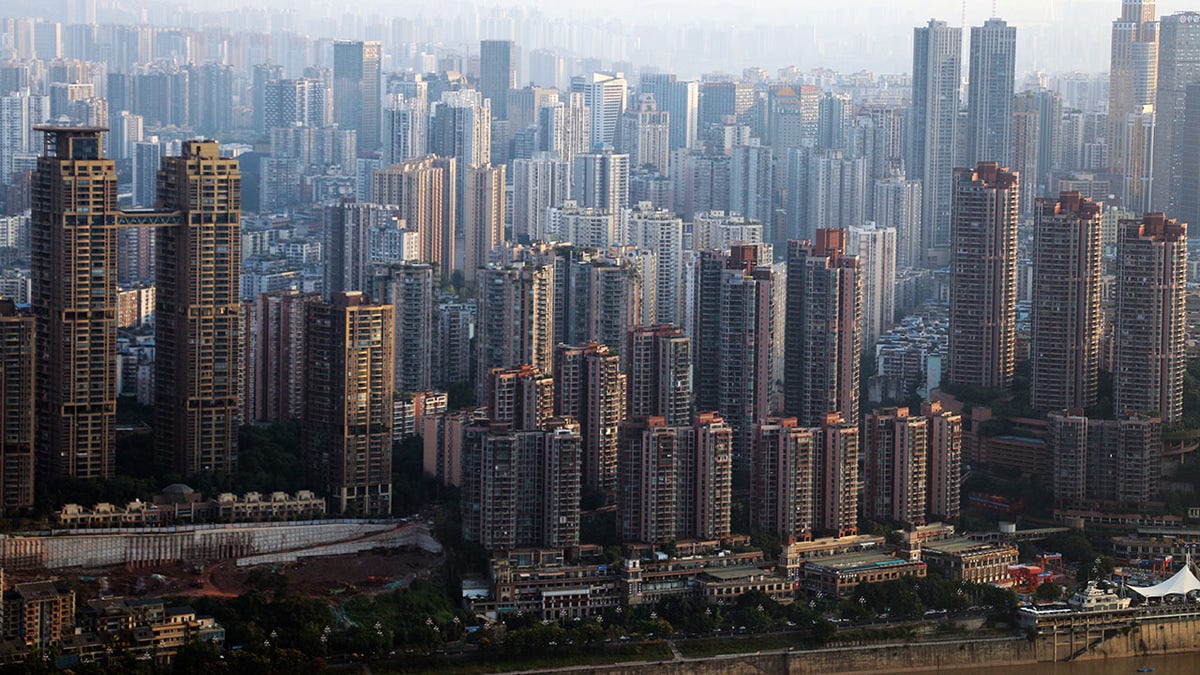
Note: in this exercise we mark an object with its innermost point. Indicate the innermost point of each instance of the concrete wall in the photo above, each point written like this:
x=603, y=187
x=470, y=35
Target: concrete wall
x=146, y=546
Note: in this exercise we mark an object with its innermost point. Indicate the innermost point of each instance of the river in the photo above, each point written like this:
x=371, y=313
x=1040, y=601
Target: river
x=1172, y=664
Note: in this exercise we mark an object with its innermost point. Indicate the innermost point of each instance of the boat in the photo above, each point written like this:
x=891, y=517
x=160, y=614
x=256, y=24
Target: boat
x=1145, y=669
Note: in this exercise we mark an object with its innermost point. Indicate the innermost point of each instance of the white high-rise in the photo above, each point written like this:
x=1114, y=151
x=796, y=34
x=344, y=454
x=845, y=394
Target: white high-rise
x=606, y=94
x=875, y=247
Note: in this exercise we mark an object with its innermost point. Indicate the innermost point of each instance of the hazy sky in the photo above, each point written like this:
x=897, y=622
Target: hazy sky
x=1053, y=35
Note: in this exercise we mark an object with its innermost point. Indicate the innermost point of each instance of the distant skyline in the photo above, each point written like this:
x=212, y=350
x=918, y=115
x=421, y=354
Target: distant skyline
x=1052, y=35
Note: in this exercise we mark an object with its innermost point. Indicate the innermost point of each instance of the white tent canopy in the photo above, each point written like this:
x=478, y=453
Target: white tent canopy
x=1182, y=583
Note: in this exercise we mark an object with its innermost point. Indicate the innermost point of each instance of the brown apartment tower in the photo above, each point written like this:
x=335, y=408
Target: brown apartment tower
x=74, y=277
x=347, y=424
x=197, y=365
x=1065, y=346
x=17, y=386
x=983, y=281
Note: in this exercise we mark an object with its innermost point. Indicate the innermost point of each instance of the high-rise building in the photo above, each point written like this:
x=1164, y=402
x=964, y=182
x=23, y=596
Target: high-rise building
x=661, y=232
x=1066, y=320
x=147, y=159
x=1109, y=460
x=1187, y=200
x=405, y=131
x=675, y=481
x=424, y=190
x=197, y=362
x=645, y=134
x=346, y=430
x=781, y=479
x=515, y=324
x=565, y=128
x=348, y=244
x=875, y=248
x=898, y=206
x=600, y=180
x=460, y=126
x=278, y=355
x=836, y=478
x=521, y=397
x=833, y=121
x=737, y=309
x=944, y=461
x=483, y=216
x=453, y=358
x=539, y=183
x=18, y=388
x=983, y=279
x=1025, y=151
x=605, y=94
x=497, y=73
x=73, y=235
x=521, y=488
x=990, y=92
x=894, y=447
x=1132, y=75
x=658, y=373
x=1178, y=67
x=409, y=288
x=597, y=297
x=933, y=129
x=589, y=386
x=826, y=189
x=752, y=184
x=356, y=89
x=1149, y=351
x=680, y=99
x=210, y=88
x=823, y=340
x=299, y=102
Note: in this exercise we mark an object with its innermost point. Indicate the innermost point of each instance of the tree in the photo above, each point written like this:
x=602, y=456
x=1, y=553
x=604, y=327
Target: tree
x=1049, y=591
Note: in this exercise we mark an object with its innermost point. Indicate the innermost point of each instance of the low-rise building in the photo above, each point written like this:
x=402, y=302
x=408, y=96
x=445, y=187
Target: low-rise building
x=838, y=576
x=963, y=559
x=179, y=504
x=39, y=613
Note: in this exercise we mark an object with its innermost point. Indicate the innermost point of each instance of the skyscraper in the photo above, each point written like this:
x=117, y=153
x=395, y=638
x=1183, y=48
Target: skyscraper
x=522, y=397
x=356, y=89
x=17, y=395
x=1178, y=67
x=73, y=234
x=933, y=125
x=752, y=185
x=497, y=73
x=197, y=313
x=1132, y=75
x=823, y=340
x=644, y=134
x=347, y=425
x=1149, y=336
x=990, y=92
x=661, y=231
x=1065, y=345
x=1188, y=198
x=983, y=280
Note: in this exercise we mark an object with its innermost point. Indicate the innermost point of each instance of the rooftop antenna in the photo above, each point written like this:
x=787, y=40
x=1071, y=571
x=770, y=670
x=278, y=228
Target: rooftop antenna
x=963, y=23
